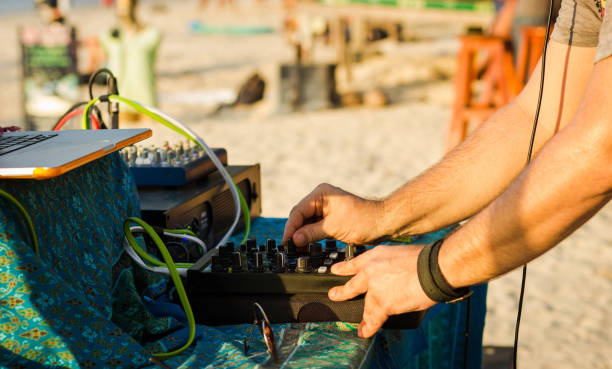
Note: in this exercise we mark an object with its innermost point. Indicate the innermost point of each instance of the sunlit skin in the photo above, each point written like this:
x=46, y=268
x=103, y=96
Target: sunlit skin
x=515, y=213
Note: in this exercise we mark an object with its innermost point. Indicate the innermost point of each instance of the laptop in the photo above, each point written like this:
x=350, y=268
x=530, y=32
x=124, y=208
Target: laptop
x=42, y=155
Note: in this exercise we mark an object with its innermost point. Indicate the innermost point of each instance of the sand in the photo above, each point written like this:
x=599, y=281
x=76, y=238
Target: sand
x=567, y=321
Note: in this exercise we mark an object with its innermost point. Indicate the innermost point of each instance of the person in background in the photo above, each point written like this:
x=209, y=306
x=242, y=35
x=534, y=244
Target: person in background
x=50, y=11
x=131, y=48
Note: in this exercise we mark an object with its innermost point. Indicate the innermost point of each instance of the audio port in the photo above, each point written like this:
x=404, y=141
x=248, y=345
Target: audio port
x=194, y=226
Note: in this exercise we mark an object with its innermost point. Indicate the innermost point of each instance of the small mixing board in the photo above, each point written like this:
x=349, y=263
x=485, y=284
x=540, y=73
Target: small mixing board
x=290, y=284
x=170, y=165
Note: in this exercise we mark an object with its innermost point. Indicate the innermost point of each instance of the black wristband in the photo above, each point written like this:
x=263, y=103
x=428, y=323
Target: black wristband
x=432, y=281
x=425, y=278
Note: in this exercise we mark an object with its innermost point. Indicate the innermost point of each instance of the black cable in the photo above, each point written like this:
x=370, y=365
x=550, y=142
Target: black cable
x=111, y=81
x=77, y=105
x=529, y=154
x=467, y=331
x=112, y=89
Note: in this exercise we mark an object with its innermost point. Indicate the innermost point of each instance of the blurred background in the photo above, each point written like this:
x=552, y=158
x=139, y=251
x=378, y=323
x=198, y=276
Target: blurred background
x=363, y=94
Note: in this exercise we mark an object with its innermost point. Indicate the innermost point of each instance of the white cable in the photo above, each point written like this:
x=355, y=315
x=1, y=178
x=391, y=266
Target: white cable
x=215, y=160
x=198, y=241
x=157, y=269
x=163, y=270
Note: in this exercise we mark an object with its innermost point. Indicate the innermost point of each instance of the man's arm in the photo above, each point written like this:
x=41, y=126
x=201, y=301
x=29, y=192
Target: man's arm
x=467, y=179
x=567, y=183
x=565, y=186
x=483, y=166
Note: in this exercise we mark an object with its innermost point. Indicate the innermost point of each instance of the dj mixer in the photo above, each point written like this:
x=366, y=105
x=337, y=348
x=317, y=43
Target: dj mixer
x=170, y=165
x=290, y=284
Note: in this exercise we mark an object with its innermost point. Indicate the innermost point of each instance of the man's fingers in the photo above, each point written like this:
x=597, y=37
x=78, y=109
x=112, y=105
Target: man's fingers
x=305, y=209
x=354, y=265
x=309, y=233
x=374, y=317
x=354, y=287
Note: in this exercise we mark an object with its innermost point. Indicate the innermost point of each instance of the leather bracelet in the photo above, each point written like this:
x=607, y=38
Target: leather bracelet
x=425, y=278
x=432, y=281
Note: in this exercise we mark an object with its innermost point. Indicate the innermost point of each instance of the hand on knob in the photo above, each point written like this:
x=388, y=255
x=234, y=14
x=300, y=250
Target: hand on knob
x=329, y=211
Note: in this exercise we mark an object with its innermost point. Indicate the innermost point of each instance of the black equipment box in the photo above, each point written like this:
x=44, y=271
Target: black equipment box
x=206, y=207
x=290, y=285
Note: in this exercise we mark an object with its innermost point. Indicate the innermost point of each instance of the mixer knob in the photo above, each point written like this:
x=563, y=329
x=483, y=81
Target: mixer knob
x=316, y=254
x=270, y=248
x=291, y=249
x=236, y=262
x=251, y=244
x=226, y=251
x=259, y=263
x=315, y=249
x=179, y=149
x=215, y=264
x=171, y=157
x=303, y=265
x=280, y=262
x=330, y=245
x=349, y=252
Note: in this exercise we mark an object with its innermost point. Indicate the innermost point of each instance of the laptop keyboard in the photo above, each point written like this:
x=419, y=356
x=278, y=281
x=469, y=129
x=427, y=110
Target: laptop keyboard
x=13, y=143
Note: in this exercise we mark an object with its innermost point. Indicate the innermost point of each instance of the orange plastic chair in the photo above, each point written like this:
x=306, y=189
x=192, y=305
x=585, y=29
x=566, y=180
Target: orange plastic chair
x=482, y=89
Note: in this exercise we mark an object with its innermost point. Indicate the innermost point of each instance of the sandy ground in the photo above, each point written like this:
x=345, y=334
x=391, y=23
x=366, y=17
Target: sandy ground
x=567, y=321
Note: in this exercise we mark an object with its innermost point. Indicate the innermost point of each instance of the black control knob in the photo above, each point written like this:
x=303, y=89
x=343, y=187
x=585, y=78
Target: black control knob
x=291, y=249
x=316, y=254
x=330, y=245
x=236, y=262
x=262, y=248
x=215, y=264
x=258, y=262
x=226, y=251
x=225, y=255
x=251, y=244
x=349, y=252
x=270, y=247
x=315, y=249
x=280, y=263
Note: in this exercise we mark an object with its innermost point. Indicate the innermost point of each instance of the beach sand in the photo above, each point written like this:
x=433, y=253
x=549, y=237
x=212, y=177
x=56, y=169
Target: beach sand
x=567, y=319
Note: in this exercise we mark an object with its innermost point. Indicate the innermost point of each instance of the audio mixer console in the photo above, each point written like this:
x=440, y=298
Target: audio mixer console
x=291, y=285
x=169, y=165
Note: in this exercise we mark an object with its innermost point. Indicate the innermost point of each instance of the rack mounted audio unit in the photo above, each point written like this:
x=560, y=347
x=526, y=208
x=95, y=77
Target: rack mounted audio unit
x=206, y=207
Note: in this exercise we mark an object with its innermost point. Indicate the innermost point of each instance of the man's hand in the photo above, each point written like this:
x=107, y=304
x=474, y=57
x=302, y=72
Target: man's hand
x=388, y=277
x=329, y=211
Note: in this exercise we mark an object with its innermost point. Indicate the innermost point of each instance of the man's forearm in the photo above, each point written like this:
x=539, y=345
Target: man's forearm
x=566, y=184
x=466, y=180
x=482, y=167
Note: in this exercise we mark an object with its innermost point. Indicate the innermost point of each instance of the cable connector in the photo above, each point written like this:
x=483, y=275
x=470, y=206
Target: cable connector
x=104, y=98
